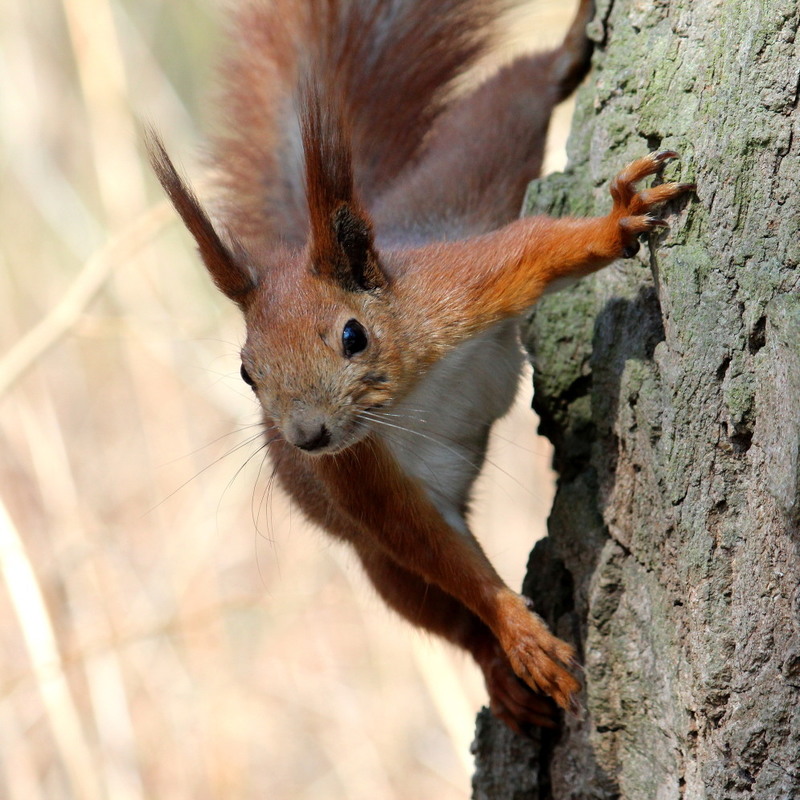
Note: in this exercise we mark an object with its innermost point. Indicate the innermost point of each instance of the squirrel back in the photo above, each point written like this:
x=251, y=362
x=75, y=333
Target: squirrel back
x=333, y=91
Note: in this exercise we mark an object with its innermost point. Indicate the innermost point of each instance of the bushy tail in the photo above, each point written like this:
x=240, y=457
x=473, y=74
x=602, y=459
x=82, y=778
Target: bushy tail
x=381, y=72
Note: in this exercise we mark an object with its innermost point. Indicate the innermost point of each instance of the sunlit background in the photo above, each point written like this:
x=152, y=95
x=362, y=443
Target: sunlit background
x=169, y=626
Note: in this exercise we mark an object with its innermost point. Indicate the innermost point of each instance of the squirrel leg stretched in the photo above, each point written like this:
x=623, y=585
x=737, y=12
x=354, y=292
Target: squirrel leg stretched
x=502, y=274
x=427, y=606
x=420, y=599
x=403, y=523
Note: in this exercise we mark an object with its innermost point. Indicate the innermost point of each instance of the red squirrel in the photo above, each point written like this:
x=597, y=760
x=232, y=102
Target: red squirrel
x=365, y=224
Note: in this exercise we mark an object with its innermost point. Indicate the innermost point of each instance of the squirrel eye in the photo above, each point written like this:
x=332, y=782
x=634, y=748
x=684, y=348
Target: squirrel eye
x=354, y=338
x=246, y=376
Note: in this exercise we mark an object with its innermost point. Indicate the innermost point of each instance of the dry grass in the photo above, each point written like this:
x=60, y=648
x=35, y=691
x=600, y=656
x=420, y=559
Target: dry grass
x=169, y=627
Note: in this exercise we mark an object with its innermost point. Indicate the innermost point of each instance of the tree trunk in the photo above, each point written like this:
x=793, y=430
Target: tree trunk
x=670, y=387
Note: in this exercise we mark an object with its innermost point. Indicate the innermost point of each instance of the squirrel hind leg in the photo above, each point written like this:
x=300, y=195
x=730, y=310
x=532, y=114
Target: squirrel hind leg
x=572, y=59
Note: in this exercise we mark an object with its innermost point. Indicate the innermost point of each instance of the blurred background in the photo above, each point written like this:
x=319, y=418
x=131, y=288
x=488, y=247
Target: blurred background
x=169, y=626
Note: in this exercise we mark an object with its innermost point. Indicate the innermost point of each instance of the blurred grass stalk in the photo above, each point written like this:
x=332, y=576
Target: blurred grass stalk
x=36, y=626
x=111, y=131
x=151, y=645
x=58, y=322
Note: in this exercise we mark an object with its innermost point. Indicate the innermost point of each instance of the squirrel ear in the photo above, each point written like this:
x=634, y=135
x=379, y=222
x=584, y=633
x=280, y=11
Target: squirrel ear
x=342, y=241
x=351, y=259
x=228, y=268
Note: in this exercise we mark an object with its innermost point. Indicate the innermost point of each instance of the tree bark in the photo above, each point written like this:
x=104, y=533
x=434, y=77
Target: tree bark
x=670, y=387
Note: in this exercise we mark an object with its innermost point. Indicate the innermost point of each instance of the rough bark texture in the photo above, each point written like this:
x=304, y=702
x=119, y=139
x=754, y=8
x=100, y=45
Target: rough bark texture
x=670, y=386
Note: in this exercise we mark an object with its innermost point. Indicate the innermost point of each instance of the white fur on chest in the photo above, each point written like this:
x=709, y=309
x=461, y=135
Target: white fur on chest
x=442, y=427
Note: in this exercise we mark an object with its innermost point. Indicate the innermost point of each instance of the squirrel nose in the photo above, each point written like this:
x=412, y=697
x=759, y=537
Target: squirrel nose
x=313, y=439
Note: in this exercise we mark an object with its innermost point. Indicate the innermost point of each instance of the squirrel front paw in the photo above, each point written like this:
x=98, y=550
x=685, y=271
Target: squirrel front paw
x=536, y=656
x=512, y=700
x=632, y=212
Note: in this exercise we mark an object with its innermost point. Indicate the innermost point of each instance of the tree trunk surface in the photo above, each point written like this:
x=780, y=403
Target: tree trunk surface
x=670, y=387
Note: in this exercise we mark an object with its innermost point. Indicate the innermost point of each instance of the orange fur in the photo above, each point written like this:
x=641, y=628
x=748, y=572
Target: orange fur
x=367, y=232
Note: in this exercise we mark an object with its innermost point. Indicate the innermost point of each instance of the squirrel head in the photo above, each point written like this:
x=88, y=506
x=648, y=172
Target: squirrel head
x=320, y=355
x=323, y=349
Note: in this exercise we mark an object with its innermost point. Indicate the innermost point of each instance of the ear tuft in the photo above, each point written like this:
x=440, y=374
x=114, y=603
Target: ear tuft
x=228, y=269
x=356, y=265
x=342, y=242
x=353, y=234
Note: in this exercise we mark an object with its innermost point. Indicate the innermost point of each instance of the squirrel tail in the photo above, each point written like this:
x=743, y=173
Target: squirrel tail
x=383, y=69
x=332, y=102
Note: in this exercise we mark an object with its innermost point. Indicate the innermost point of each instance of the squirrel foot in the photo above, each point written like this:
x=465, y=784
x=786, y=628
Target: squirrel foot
x=536, y=656
x=511, y=700
x=632, y=210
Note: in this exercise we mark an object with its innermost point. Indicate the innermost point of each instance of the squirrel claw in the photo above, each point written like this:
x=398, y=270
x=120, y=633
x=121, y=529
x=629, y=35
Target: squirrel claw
x=664, y=156
x=633, y=207
x=577, y=710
